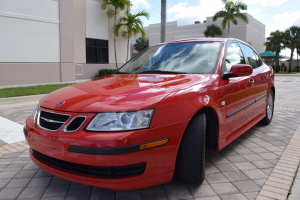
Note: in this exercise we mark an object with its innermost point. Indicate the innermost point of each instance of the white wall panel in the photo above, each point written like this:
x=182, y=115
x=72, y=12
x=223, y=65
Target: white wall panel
x=24, y=40
x=96, y=20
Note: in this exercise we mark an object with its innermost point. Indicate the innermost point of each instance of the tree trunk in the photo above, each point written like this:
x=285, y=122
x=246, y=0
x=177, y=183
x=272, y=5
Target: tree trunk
x=115, y=37
x=228, y=34
x=163, y=21
x=291, y=59
x=277, y=68
x=127, y=47
x=297, y=58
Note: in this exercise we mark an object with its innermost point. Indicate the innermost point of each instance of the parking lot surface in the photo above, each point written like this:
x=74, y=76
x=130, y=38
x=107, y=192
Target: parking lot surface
x=260, y=164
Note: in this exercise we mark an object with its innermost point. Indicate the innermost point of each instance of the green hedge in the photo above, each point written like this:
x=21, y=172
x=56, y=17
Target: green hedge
x=104, y=72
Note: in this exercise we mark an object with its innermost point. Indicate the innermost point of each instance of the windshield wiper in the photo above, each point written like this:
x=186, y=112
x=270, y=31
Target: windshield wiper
x=160, y=72
x=118, y=72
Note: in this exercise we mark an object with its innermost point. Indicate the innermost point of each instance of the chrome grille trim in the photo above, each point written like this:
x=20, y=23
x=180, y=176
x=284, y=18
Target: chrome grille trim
x=66, y=127
x=51, y=121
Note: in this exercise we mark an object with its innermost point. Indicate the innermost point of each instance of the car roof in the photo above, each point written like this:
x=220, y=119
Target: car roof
x=201, y=40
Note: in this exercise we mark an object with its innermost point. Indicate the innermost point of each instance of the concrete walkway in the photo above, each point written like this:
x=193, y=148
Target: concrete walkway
x=261, y=164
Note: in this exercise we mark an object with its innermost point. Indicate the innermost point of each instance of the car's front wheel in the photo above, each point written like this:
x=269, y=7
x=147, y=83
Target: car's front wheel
x=269, y=109
x=190, y=166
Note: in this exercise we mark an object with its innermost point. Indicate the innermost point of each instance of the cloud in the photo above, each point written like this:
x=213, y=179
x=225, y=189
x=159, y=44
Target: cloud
x=297, y=22
x=272, y=2
x=185, y=14
x=140, y=3
x=256, y=13
x=288, y=19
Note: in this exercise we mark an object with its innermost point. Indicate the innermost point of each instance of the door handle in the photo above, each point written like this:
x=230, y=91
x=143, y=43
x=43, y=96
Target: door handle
x=251, y=81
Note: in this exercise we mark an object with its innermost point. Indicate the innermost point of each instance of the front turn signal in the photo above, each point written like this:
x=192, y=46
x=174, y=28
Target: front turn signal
x=154, y=144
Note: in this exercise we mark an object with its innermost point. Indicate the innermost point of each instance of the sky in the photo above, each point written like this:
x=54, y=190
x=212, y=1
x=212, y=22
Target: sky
x=275, y=14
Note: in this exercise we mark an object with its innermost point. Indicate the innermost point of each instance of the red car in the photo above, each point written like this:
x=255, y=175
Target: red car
x=154, y=118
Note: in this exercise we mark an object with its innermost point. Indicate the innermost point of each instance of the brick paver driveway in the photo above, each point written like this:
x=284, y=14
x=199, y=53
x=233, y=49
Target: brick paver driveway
x=239, y=171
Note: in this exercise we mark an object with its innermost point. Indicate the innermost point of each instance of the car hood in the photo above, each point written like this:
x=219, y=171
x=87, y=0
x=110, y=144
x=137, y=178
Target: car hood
x=120, y=92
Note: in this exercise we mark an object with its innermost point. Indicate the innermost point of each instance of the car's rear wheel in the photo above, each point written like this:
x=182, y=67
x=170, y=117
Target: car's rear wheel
x=269, y=110
x=190, y=166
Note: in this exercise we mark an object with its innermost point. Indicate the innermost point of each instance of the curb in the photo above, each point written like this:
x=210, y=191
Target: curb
x=23, y=100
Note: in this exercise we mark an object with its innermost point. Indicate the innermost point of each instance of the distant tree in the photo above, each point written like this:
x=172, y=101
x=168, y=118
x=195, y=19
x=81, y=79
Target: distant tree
x=231, y=12
x=141, y=44
x=163, y=19
x=275, y=42
x=133, y=25
x=212, y=30
x=292, y=35
x=298, y=53
x=117, y=5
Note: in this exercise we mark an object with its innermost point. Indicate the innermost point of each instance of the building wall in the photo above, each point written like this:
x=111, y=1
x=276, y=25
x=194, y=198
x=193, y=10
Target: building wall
x=252, y=33
x=44, y=41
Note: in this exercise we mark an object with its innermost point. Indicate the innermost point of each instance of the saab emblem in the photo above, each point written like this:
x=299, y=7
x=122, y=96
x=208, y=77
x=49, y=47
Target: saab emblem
x=61, y=103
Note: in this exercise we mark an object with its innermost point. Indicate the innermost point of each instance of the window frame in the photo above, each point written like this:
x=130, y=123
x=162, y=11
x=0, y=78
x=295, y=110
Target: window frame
x=255, y=53
x=97, y=51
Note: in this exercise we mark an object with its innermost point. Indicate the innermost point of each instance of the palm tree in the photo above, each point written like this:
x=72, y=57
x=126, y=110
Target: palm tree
x=141, y=44
x=298, y=53
x=117, y=5
x=275, y=42
x=212, y=30
x=133, y=25
x=292, y=40
x=163, y=19
x=231, y=12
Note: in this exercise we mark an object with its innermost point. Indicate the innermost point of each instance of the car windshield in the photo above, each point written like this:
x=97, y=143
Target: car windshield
x=182, y=57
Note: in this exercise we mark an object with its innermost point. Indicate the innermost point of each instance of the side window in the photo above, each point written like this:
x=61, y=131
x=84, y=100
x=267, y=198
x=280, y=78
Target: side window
x=234, y=56
x=253, y=59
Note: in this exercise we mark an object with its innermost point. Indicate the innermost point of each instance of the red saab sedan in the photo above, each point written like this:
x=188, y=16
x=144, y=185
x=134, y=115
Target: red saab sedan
x=154, y=118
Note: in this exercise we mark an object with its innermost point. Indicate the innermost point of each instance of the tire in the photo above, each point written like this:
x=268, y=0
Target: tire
x=269, y=110
x=190, y=165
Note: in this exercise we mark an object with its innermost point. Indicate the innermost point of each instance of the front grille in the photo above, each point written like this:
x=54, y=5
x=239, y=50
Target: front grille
x=75, y=124
x=96, y=171
x=52, y=121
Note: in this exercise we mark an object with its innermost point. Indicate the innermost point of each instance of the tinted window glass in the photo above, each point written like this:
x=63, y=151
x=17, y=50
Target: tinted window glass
x=188, y=57
x=234, y=56
x=96, y=51
x=251, y=56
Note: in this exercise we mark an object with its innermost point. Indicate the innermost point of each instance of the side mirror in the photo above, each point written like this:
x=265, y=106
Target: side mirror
x=238, y=70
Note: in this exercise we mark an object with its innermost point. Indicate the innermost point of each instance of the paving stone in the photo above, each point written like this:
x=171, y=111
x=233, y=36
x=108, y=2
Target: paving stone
x=219, y=160
x=259, y=150
x=245, y=166
x=16, y=183
x=42, y=173
x=30, y=193
x=224, y=188
x=226, y=167
x=178, y=193
x=251, y=195
x=104, y=196
x=278, y=185
x=39, y=181
x=97, y=190
x=10, y=193
x=201, y=191
x=21, y=160
x=173, y=184
x=26, y=173
x=216, y=178
x=8, y=174
x=233, y=197
x=262, y=164
x=79, y=189
x=236, y=158
x=79, y=197
x=30, y=165
x=3, y=182
x=267, y=171
x=209, y=198
x=56, y=191
x=244, y=151
x=209, y=169
x=153, y=194
x=12, y=167
x=255, y=174
x=236, y=176
x=246, y=186
x=268, y=155
x=6, y=161
x=272, y=195
x=253, y=157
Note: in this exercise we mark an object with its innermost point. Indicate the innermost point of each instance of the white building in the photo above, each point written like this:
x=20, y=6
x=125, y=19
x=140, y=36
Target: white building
x=252, y=33
x=43, y=41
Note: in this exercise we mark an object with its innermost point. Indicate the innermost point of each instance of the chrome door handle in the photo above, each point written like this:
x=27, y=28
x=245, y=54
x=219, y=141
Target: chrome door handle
x=266, y=76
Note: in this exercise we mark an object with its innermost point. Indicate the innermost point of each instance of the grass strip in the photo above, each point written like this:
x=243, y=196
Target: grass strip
x=30, y=90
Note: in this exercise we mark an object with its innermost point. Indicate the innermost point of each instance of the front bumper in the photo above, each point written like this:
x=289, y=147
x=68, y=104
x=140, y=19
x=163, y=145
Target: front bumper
x=159, y=161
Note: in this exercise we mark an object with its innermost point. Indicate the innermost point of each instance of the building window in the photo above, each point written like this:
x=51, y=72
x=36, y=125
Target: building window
x=96, y=51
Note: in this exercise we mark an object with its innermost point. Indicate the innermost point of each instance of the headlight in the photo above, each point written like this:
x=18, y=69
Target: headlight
x=36, y=113
x=121, y=121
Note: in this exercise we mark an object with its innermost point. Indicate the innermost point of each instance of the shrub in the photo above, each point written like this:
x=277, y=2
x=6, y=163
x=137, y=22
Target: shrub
x=104, y=72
